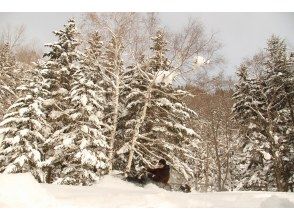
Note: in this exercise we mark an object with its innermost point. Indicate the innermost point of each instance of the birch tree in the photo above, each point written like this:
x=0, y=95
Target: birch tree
x=114, y=75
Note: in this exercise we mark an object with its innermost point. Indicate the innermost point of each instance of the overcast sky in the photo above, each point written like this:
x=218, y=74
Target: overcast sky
x=242, y=34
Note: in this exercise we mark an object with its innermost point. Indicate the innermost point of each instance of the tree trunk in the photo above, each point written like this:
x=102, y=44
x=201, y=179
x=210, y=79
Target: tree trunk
x=227, y=171
x=115, y=119
x=276, y=160
x=49, y=174
x=117, y=77
x=138, y=126
x=206, y=169
x=291, y=111
x=218, y=163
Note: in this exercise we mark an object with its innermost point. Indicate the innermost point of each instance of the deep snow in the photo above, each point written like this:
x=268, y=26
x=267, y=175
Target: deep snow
x=21, y=190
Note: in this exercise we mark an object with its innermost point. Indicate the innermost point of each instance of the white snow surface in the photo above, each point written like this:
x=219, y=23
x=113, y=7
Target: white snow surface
x=22, y=190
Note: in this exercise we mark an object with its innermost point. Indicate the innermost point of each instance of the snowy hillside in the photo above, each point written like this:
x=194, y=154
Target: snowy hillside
x=21, y=190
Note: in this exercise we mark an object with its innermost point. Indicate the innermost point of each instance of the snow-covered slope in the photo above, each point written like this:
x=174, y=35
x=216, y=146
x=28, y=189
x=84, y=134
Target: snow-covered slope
x=21, y=190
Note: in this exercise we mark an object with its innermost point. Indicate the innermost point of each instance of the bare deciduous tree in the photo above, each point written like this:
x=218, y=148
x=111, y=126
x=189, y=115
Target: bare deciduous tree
x=14, y=36
x=213, y=102
x=185, y=46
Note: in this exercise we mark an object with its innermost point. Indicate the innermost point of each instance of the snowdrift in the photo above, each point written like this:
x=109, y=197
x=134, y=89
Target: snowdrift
x=22, y=190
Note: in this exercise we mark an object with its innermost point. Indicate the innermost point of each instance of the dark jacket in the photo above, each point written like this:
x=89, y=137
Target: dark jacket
x=185, y=188
x=160, y=175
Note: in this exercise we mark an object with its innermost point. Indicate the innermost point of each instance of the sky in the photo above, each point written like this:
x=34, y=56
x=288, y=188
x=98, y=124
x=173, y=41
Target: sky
x=242, y=34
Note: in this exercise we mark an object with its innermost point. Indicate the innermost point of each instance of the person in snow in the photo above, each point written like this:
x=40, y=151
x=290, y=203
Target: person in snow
x=160, y=174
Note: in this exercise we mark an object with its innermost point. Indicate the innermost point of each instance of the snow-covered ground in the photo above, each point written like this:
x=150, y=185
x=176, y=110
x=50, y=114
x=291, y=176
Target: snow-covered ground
x=21, y=190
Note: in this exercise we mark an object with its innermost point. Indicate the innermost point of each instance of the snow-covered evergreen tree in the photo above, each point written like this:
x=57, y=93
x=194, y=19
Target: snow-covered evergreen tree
x=290, y=130
x=248, y=108
x=24, y=130
x=279, y=93
x=263, y=108
x=63, y=62
x=83, y=152
x=156, y=118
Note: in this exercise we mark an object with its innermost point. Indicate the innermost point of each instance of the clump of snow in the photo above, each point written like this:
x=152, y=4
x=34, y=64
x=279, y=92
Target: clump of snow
x=165, y=77
x=55, y=114
x=266, y=155
x=67, y=141
x=23, y=111
x=84, y=100
x=252, y=125
x=22, y=190
x=199, y=61
x=48, y=102
x=123, y=149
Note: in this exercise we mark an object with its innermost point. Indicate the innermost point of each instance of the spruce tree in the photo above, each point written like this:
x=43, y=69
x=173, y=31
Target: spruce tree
x=249, y=113
x=63, y=62
x=263, y=108
x=84, y=151
x=24, y=129
x=279, y=95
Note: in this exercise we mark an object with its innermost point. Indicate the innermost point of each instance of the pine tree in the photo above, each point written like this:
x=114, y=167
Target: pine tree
x=24, y=130
x=159, y=61
x=289, y=87
x=248, y=112
x=83, y=154
x=156, y=126
x=63, y=62
x=93, y=59
x=262, y=107
x=279, y=93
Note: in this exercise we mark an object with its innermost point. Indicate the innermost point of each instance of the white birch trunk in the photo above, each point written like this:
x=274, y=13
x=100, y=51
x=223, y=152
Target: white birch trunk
x=138, y=126
x=117, y=77
x=114, y=127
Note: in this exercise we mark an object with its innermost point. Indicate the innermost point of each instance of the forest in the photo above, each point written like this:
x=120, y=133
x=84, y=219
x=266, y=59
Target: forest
x=119, y=91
